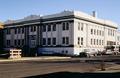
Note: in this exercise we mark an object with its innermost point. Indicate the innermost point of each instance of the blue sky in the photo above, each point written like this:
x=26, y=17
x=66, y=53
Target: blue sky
x=17, y=9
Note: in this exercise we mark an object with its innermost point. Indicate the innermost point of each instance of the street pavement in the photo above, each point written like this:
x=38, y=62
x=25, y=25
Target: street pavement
x=34, y=67
x=13, y=70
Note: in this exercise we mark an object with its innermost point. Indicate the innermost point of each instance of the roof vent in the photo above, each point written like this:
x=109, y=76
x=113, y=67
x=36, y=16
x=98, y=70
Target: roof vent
x=94, y=14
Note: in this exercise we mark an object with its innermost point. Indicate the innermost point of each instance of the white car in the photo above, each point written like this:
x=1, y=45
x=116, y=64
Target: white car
x=109, y=52
x=90, y=52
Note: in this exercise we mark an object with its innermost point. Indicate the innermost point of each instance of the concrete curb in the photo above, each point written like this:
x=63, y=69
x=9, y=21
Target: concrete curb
x=34, y=59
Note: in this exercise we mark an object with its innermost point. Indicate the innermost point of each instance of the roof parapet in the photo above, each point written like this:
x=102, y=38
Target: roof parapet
x=31, y=17
x=77, y=14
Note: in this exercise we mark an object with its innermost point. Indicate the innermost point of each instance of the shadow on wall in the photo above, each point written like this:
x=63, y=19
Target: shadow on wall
x=77, y=75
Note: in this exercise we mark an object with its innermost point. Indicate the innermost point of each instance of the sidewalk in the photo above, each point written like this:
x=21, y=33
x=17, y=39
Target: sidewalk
x=35, y=58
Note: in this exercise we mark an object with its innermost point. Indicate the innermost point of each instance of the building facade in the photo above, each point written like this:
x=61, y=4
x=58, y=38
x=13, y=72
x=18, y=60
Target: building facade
x=68, y=32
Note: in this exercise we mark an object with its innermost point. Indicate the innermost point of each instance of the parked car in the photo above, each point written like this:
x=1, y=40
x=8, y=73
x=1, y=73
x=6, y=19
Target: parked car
x=99, y=53
x=109, y=52
x=89, y=52
x=112, y=50
x=103, y=52
x=116, y=52
x=4, y=54
x=83, y=54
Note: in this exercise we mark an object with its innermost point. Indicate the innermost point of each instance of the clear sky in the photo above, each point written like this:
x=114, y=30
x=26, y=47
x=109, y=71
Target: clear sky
x=17, y=9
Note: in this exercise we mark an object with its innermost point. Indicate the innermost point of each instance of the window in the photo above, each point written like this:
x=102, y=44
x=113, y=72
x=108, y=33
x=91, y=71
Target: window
x=54, y=27
x=102, y=42
x=100, y=33
x=8, y=42
x=44, y=41
x=15, y=30
x=49, y=27
x=67, y=40
x=32, y=37
x=54, y=41
x=91, y=41
x=33, y=42
x=19, y=42
x=49, y=41
x=97, y=32
x=62, y=51
x=63, y=40
x=65, y=26
x=91, y=31
x=99, y=42
x=22, y=41
x=108, y=43
x=118, y=38
x=94, y=41
x=78, y=40
x=18, y=30
x=108, y=32
x=15, y=42
x=22, y=30
x=8, y=31
x=66, y=51
x=82, y=26
x=33, y=28
x=81, y=40
x=94, y=32
x=78, y=26
x=114, y=43
x=113, y=32
x=44, y=28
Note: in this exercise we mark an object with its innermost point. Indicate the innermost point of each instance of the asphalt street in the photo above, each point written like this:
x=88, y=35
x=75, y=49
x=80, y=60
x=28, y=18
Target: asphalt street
x=25, y=69
x=33, y=68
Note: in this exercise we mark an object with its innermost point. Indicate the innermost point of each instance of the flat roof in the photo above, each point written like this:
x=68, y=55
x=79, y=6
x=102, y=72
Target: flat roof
x=83, y=16
x=76, y=14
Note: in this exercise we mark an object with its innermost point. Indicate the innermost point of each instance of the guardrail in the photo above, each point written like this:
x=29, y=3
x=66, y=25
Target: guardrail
x=15, y=53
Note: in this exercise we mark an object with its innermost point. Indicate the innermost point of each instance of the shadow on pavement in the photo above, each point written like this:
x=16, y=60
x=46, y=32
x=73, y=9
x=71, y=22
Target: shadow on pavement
x=77, y=75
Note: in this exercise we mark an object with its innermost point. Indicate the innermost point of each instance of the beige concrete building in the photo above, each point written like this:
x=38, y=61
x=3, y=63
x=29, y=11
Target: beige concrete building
x=67, y=32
